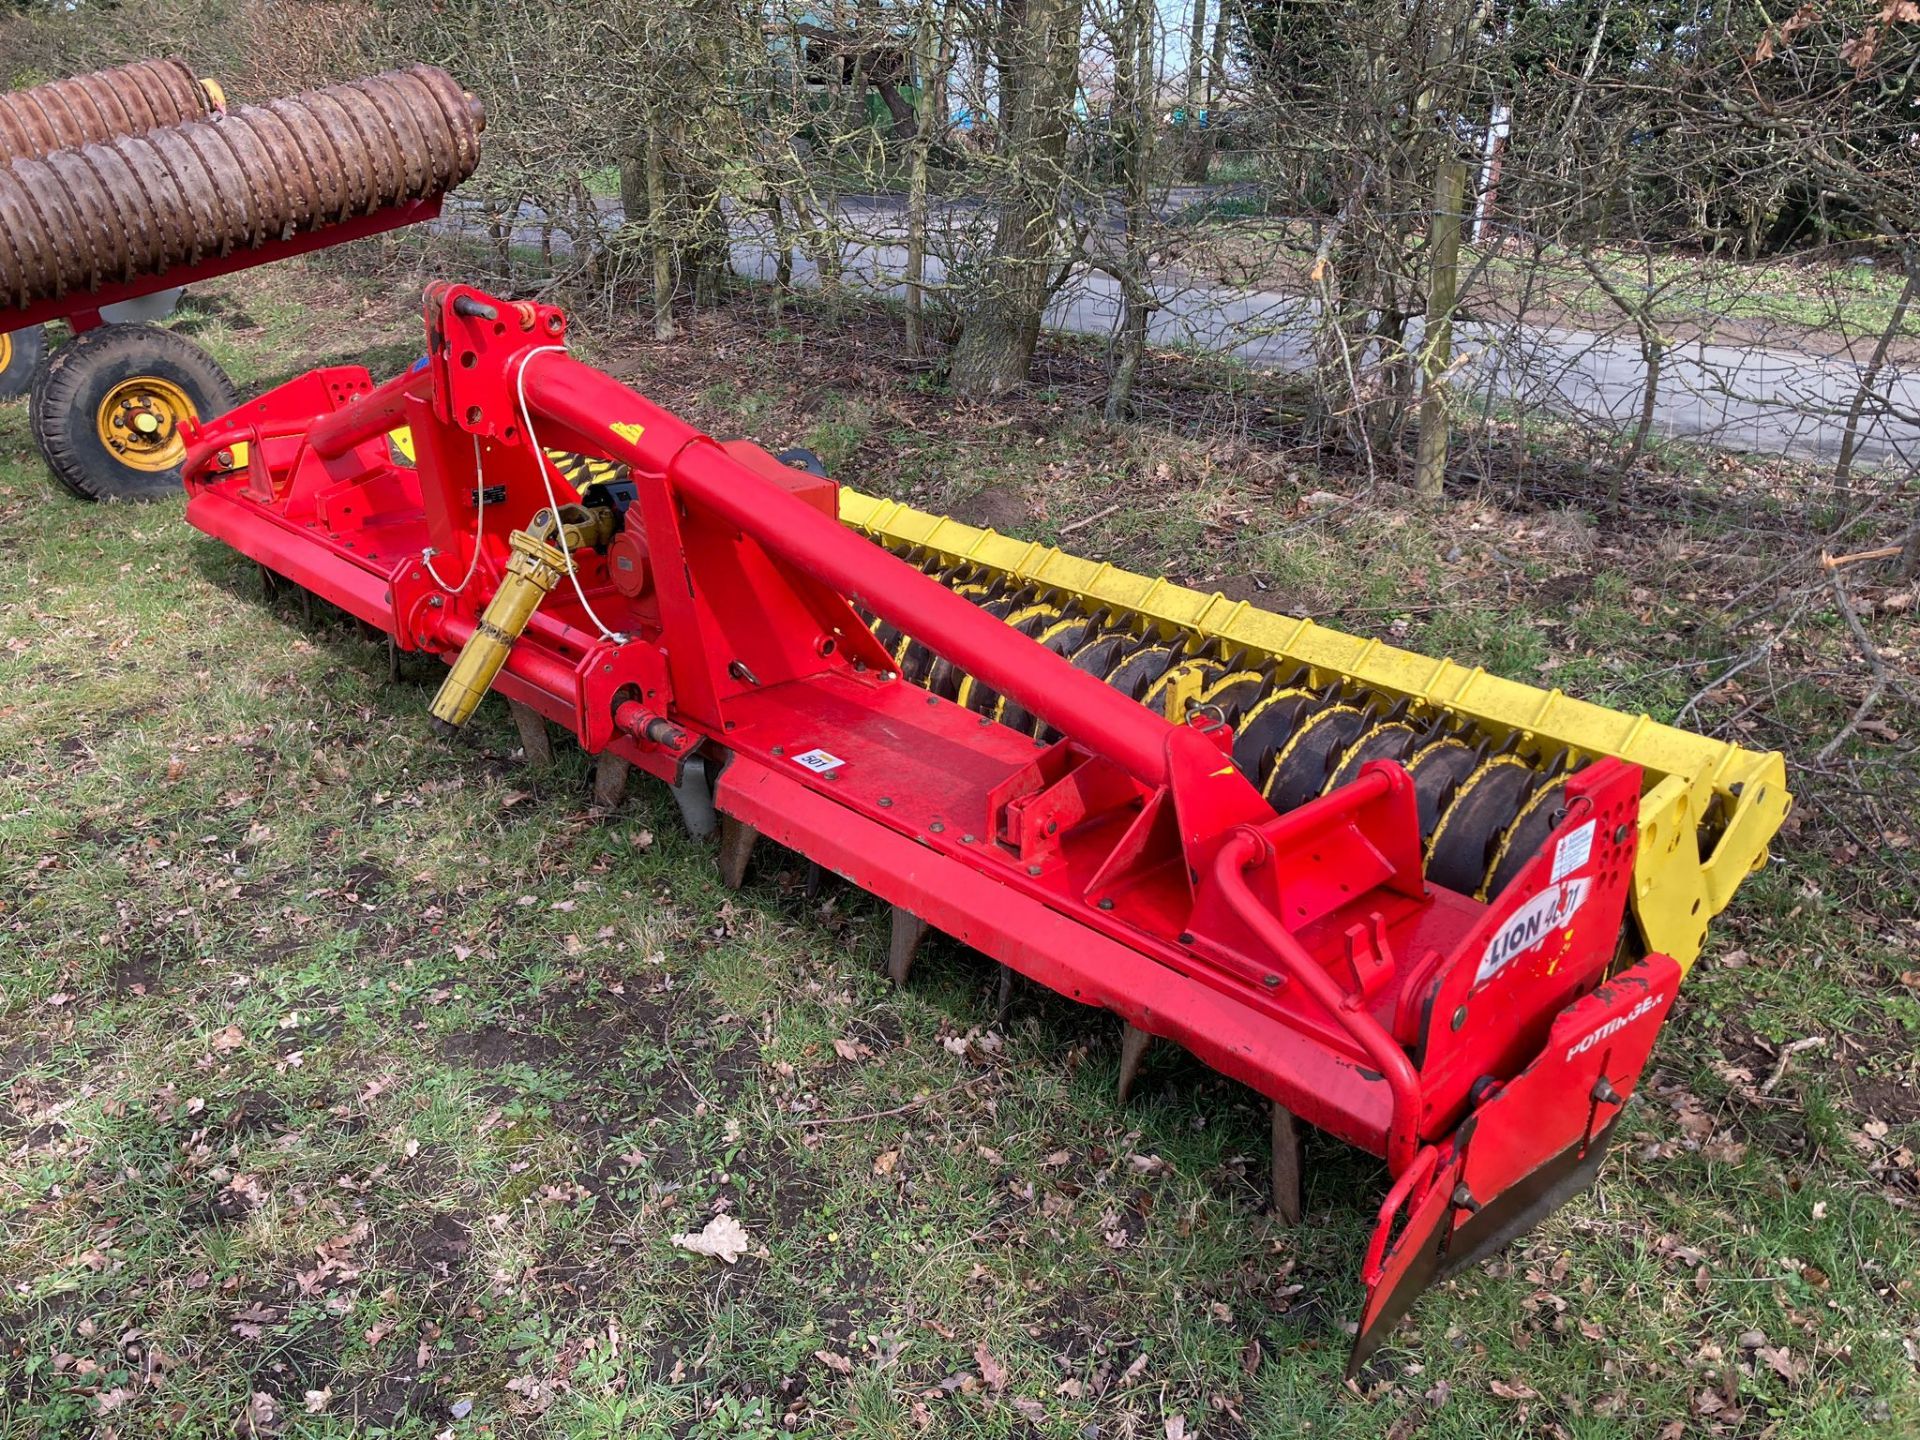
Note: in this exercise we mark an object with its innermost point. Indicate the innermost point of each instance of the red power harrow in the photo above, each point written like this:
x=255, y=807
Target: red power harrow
x=701, y=617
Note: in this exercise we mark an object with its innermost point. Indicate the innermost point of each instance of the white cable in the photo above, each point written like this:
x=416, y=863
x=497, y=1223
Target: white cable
x=553, y=503
x=479, y=530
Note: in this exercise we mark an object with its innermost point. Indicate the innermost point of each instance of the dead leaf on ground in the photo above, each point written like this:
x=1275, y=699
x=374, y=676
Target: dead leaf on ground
x=226, y=1041
x=834, y=1361
x=260, y=1418
x=991, y=1370
x=723, y=1238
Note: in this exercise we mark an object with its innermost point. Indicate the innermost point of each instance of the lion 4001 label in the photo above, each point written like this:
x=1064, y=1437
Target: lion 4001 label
x=1530, y=925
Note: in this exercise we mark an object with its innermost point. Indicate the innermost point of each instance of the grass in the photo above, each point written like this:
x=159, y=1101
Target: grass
x=357, y=1082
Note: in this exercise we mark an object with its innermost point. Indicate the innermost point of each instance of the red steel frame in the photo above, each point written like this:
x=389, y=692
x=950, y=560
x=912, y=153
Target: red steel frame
x=81, y=308
x=1483, y=1049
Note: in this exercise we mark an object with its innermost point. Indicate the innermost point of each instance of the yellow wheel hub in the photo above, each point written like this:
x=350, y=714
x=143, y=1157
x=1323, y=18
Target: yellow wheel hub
x=139, y=422
x=6, y=352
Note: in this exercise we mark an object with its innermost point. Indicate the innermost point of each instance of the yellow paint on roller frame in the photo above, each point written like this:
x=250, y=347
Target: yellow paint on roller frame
x=1676, y=888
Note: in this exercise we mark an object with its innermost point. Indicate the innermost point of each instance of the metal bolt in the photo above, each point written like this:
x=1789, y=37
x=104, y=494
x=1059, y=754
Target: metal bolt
x=886, y=802
x=936, y=827
x=779, y=749
x=1463, y=1197
x=1033, y=869
x=1604, y=1092
x=1620, y=835
x=1459, y=1017
x=967, y=839
x=1272, y=982
x=1106, y=902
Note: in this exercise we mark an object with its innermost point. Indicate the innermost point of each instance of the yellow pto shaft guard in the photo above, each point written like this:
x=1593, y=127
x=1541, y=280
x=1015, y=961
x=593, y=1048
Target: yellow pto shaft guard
x=534, y=566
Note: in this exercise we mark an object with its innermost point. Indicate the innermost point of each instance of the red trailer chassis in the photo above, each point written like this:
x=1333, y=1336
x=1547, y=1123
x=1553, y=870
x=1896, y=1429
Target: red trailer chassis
x=1484, y=1050
x=81, y=308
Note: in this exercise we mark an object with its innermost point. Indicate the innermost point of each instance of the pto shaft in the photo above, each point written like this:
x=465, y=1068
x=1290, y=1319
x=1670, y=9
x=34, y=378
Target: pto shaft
x=533, y=569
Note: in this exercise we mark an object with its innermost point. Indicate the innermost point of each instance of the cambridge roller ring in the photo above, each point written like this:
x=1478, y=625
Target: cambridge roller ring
x=137, y=209
x=87, y=109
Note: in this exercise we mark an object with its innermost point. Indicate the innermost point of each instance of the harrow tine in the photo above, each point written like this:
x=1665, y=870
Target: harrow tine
x=1286, y=1165
x=693, y=794
x=269, y=583
x=609, y=780
x=393, y=661
x=1003, y=995
x=736, y=850
x=908, y=931
x=1133, y=1050
x=537, y=742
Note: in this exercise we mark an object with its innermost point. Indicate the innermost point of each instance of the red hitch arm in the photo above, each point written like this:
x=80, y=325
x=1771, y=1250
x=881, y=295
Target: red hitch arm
x=1076, y=703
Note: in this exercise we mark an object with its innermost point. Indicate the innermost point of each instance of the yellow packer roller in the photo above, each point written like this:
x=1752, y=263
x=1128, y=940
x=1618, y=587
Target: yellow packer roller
x=1309, y=705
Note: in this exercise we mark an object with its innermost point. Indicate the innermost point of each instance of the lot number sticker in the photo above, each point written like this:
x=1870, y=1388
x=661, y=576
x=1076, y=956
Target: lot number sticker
x=819, y=761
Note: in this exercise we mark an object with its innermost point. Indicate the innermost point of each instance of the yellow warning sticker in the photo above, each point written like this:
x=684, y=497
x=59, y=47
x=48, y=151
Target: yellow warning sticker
x=628, y=431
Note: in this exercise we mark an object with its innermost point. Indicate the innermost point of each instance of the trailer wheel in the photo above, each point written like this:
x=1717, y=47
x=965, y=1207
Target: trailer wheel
x=108, y=406
x=20, y=352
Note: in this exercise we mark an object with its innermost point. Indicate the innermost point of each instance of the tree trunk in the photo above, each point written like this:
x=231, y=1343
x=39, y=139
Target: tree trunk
x=658, y=238
x=1443, y=283
x=1193, y=136
x=937, y=57
x=983, y=47
x=1133, y=85
x=1870, y=377
x=1002, y=319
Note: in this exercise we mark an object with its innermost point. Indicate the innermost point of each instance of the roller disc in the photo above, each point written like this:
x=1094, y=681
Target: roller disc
x=1487, y=802
x=1521, y=840
x=1389, y=740
x=1437, y=769
x=1267, y=726
x=1134, y=674
x=1301, y=766
x=1099, y=653
x=1234, y=693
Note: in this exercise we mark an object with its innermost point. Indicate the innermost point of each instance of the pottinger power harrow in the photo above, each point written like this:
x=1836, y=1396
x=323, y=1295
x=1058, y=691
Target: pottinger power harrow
x=1443, y=980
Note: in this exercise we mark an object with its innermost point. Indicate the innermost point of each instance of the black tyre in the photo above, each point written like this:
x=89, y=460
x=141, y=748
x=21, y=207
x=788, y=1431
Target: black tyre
x=108, y=406
x=20, y=352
